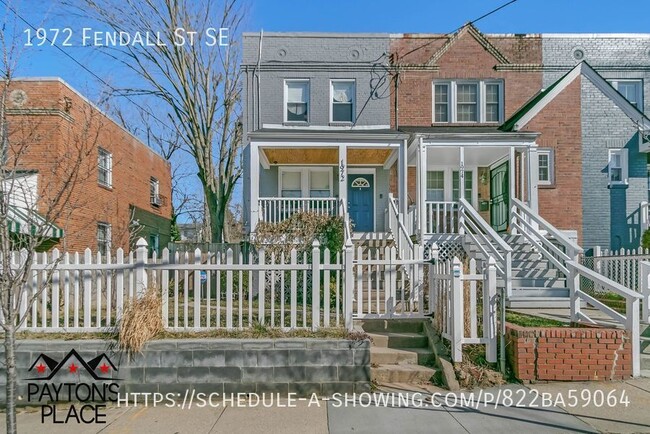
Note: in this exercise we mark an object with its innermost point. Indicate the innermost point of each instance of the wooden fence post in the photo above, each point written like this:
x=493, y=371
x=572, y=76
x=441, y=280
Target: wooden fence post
x=490, y=311
x=457, y=325
x=315, y=285
x=349, y=284
x=140, y=264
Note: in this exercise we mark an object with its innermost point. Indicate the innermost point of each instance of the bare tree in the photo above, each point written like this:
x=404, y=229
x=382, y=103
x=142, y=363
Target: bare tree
x=198, y=81
x=24, y=135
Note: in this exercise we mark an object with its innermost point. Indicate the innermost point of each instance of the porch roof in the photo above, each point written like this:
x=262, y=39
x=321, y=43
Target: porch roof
x=338, y=135
x=465, y=133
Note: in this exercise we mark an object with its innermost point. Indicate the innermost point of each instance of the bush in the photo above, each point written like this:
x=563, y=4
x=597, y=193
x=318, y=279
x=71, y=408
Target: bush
x=141, y=321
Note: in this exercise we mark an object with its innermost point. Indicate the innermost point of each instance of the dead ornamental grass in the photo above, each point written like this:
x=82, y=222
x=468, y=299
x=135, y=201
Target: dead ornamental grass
x=141, y=321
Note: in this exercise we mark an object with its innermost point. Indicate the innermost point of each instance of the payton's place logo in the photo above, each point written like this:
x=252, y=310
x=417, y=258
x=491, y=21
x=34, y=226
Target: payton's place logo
x=86, y=385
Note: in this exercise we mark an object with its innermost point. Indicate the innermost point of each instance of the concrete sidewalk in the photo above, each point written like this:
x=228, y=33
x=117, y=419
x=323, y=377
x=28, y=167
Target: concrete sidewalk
x=420, y=413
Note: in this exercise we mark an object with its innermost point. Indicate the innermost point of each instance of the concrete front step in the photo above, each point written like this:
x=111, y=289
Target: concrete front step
x=538, y=302
x=535, y=291
x=401, y=356
x=396, y=325
x=525, y=282
x=645, y=362
x=401, y=374
x=399, y=340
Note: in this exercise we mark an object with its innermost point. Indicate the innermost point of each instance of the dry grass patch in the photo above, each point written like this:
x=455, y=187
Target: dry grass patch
x=141, y=321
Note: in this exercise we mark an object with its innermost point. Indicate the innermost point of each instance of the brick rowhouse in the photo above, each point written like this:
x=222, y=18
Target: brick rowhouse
x=59, y=125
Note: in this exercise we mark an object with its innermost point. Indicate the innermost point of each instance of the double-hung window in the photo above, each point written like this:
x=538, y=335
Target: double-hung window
x=436, y=185
x=154, y=191
x=343, y=95
x=309, y=182
x=104, y=238
x=467, y=101
x=320, y=183
x=291, y=183
x=632, y=90
x=105, y=168
x=468, y=186
x=296, y=96
x=617, y=167
x=545, y=166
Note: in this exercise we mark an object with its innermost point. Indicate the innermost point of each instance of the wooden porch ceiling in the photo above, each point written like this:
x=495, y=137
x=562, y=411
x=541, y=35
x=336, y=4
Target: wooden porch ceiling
x=327, y=156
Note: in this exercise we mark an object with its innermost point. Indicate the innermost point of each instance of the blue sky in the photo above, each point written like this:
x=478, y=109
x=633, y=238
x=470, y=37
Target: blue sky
x=406, y=16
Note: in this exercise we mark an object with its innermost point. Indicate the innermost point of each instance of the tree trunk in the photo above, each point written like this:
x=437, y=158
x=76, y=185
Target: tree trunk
x=10, y=360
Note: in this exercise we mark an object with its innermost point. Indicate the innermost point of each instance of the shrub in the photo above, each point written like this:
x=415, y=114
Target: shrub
x=141, y=321
x=645, y=239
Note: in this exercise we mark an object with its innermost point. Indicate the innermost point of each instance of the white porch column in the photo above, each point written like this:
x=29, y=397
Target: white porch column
x=255, y=185
x=402, y=180
x=511, y=173
x=343, y=171
x=533, y=179
x=422, y=188
x=524, y=186
x=461, y=186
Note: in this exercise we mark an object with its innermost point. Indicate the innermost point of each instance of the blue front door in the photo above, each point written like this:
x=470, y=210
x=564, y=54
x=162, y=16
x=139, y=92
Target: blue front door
x=361, y=202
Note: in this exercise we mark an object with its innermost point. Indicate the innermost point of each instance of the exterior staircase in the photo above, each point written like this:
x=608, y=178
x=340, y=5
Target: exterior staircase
x=400, y=351
x=535, y=282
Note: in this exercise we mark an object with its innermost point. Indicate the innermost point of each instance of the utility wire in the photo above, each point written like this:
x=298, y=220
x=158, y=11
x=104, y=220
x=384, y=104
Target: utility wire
x=84, y=67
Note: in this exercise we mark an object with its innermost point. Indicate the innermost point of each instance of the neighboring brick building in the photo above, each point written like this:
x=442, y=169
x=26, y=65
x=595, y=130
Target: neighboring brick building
x=121, y=189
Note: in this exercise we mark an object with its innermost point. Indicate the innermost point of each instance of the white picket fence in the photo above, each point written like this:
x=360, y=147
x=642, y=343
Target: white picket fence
x=457, y=318
x=200, y=291
x=621, y=266
x=207, y=290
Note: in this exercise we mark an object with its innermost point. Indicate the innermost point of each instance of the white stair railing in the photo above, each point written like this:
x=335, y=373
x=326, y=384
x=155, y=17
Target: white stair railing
x=488, y=241
x=536, y=230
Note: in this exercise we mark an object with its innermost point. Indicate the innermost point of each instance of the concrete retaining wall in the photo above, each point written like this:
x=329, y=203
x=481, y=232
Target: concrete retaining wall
x=303, y=366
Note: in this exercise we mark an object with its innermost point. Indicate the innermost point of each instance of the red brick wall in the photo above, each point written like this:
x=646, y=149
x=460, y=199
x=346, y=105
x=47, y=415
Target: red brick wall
x=466, y=58
x=560, y=126
x=55, y=127
x=568, y=354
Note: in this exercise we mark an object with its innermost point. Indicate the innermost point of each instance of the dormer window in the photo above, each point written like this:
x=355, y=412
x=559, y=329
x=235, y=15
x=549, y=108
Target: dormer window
x=467, y=101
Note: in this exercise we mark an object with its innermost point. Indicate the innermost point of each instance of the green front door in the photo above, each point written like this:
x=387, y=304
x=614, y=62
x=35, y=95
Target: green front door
x=499, y=199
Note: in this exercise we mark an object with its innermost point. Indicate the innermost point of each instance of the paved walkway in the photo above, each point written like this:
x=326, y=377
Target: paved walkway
x=419, y=414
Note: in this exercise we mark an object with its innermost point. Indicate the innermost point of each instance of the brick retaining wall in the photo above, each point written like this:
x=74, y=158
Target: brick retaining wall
x=303, y=366
x=569, y=354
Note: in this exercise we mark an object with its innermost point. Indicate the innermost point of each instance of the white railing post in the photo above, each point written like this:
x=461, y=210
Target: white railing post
x=513, y=218
x=315, y=285
x=643, y=217
x=632, y=326
x=140, y=264
x=490, y=311
x=508, y=272
x=457, y=325
x=644, y=288
x=349, y=283
x=573, y=281
x=261, y=282
x=461, y=218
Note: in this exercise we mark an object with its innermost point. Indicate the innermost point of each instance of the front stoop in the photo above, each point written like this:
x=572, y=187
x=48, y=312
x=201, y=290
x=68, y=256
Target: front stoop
x=399, y=350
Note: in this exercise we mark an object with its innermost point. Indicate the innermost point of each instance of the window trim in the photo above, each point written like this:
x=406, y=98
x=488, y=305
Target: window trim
x=551, y=166
x=624, y=166
x=354, y=100
x=286, y=100
x=108, y=239
x=448, y=181
x=305, y=180
x=615, y=81
x=452, y=102
x=109, y=169
x=155, y=195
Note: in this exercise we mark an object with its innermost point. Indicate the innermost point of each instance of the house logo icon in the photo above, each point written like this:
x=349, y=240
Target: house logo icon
x=45, y=368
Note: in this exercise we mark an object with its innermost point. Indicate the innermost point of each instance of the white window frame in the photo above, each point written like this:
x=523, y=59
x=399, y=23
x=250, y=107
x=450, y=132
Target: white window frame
x=639, y=92
x=287, y=81
x=449, y=183
x=305, y=186
x=551, y=166
x=109, y=170
x=354, y=100
x=155, y=194
x=107, y=241
x=624, y=166
x=481, y=101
